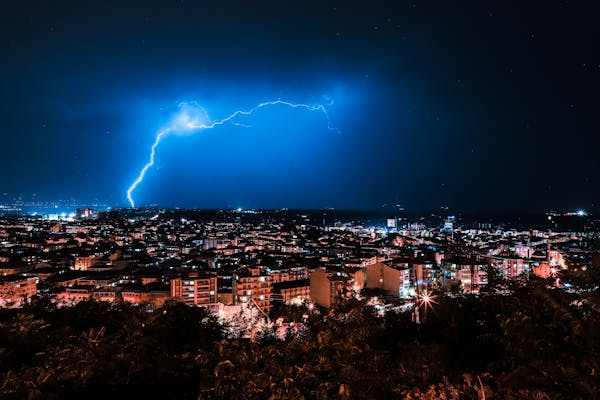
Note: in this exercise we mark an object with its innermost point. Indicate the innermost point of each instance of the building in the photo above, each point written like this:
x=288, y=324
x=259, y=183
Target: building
x=327, y=287
x=74, y=294
x=15, y=268
x=472, y=278
x=195, y=289
x=448, y=225
x=253, y=285
x=84, y=263
x=511, y=267
x=393, y=280
x=107, y=293
x=556, y=259
x=292, y=290
x=470, y=272
x=142, y=296
x=17, y=290
x=288, y=274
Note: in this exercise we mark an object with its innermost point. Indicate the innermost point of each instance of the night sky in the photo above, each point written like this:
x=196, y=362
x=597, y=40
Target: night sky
x=482, y=106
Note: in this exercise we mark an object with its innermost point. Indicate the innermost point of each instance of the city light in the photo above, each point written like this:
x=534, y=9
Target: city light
x=427, y=299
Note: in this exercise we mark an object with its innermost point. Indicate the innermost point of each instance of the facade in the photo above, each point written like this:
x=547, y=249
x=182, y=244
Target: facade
x=394, y=280
x=470, y=272
x=327, y=287
x=139, y=296
x=253, y=285
x=510, y=267
x=75, y=294
x=17, y=289
x=292, y=290
x=289, y=274
x=195, y=289
x=472, y=278
x=84, y=263
x=556, y=259
x=422, y=276
x=13, y=269
x=108, y=294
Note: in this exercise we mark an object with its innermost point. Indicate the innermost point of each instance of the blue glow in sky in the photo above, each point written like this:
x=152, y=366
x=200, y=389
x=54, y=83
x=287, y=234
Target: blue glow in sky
x=191, y=118
x=272, y=154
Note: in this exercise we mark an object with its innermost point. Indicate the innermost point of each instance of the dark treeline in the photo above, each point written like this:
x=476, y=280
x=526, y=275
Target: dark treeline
x=531, y=342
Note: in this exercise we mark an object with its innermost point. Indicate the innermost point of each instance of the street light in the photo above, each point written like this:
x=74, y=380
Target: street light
x=426, y=299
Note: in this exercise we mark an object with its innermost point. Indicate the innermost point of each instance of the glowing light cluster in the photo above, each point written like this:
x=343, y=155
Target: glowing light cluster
x=427, y=299
x=193, y=117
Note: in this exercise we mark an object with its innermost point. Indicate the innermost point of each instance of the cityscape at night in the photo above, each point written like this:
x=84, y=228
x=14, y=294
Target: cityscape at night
x=300, y=200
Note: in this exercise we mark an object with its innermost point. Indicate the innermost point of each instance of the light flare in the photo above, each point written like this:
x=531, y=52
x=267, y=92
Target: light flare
x=427, y=299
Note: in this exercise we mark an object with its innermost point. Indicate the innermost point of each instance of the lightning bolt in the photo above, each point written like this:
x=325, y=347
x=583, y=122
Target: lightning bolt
x=195, y=126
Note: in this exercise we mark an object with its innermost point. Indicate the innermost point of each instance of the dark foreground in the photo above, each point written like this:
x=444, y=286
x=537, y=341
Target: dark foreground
x=534, y=343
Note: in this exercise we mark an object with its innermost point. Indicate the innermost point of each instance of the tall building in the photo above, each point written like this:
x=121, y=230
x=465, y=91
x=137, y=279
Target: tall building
x=252, y=285
x=195, y=289
x=393, y=280
x=470, y=272
x=392, y=223
x=327, y=287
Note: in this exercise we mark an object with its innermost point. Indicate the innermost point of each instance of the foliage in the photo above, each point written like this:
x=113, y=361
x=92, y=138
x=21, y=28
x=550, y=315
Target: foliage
x=536, y=342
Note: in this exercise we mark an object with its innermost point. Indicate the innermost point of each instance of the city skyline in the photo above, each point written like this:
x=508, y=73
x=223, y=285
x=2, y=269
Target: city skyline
x=480, y=108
